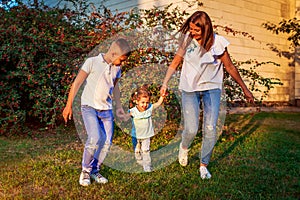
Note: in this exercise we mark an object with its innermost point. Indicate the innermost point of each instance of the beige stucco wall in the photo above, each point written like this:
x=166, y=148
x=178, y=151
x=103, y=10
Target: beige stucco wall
x=248, y=16
x=297, y=67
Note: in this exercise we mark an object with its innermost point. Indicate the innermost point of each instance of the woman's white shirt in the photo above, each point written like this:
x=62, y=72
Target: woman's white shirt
x=201, y=69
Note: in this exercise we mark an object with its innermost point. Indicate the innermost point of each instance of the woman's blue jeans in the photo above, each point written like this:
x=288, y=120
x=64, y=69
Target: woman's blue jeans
x=191, y=101
x=99, y=125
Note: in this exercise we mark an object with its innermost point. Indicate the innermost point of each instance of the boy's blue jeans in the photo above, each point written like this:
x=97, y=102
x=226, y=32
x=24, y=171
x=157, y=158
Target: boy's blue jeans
x=210, y=100
x=99, y=126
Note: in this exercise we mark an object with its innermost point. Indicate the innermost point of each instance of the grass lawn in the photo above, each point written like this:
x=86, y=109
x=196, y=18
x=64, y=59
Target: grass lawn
x=257, y=157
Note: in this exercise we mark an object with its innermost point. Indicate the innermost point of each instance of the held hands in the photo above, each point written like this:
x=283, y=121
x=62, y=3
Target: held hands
x=122, y=115
x=163, y=90
x=126, y=117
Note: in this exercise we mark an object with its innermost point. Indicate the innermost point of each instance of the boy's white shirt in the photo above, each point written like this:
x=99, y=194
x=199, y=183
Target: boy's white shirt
x=201, y=70
x=99, y=84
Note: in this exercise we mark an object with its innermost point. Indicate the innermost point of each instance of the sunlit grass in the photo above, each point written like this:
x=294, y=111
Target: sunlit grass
x=257, y=157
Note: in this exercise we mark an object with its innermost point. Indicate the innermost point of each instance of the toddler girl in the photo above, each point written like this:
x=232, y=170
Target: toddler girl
x=142, y=128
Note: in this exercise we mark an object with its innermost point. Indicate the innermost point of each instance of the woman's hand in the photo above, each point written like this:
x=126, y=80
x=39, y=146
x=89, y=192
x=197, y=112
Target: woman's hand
x=248, y=95
x=163, y=90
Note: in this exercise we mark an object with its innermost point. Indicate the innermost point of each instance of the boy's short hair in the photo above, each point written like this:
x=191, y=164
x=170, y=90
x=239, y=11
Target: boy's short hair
x=124, y=46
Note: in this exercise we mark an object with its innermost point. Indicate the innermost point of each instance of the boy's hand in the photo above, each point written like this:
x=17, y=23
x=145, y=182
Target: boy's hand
x=127, y=117
x=67, y=114
x=120, y=113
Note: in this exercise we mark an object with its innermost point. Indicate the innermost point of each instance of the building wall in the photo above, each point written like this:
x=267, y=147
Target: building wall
x=297, y=66
x=247, y=16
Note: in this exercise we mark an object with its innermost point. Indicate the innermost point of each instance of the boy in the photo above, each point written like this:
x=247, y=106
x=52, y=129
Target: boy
x=101, y=74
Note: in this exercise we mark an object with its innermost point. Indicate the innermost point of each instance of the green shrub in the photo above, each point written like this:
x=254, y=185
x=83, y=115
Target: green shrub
x=39, y=49
x=42, y=49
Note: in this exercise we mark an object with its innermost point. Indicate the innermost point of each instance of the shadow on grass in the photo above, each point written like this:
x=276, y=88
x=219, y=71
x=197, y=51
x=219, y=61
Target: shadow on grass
x=247, y=126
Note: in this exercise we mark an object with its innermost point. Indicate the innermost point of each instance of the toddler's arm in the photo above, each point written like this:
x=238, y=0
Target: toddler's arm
x=159, y=102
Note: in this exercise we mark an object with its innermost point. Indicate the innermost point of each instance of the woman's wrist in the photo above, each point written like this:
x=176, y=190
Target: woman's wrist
x=164, y=85
x=118, y=106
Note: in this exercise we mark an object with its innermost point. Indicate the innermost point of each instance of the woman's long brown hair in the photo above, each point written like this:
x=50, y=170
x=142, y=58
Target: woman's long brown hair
x=203, y=21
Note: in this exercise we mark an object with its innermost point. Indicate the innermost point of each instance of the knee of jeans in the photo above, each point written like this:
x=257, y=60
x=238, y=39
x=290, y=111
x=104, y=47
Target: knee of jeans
x=92, y=146
x=191, y=131
x=92, y=143
x=106, y=146
x=186, y=112
x=210, y=128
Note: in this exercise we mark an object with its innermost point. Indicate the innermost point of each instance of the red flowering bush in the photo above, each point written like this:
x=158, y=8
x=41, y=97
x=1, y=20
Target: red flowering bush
x=39, y=49
x=42, y=49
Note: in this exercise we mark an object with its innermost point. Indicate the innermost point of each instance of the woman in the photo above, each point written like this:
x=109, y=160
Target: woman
x=204, y=54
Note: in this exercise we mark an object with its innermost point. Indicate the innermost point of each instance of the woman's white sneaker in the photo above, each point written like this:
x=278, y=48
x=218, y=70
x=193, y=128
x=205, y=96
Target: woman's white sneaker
x=204, y=173
x=183, y=156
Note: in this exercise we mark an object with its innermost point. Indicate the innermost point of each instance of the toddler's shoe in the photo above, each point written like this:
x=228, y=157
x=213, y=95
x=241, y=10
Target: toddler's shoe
x=204, y=173
x=84, y=178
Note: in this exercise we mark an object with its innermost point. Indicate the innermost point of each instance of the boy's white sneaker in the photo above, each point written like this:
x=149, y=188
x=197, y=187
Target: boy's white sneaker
x=85, y=179
x=99, y=178
x=204, y=173
x=183, y=156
